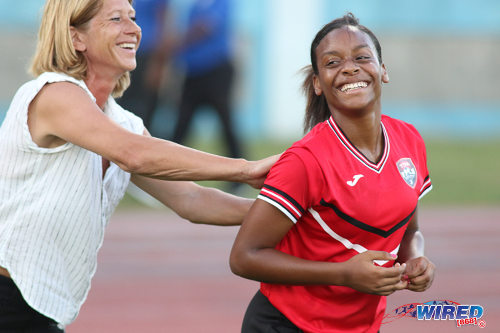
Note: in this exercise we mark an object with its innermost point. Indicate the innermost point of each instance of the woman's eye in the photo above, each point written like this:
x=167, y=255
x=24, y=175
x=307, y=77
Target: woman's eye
x=115, y=19
x=363, y=57
x=132, y=18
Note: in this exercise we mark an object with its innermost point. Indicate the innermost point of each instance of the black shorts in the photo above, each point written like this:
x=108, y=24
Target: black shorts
x=262, y=317
x=16, y=316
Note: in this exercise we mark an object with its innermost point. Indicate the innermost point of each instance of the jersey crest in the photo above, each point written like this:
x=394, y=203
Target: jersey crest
x=408, y=171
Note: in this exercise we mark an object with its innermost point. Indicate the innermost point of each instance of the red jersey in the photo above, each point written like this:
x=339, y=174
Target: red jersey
x=343, y=204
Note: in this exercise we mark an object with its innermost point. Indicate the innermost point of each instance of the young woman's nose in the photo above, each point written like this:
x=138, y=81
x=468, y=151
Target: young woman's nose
x=350, y=67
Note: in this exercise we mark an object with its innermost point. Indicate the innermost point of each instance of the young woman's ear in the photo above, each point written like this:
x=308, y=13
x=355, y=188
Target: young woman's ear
x=78, y=44
x=385, y=75
x=317, y=87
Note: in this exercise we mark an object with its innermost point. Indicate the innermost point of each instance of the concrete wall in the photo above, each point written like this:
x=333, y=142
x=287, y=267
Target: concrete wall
x=444, y=68
x=17, y=49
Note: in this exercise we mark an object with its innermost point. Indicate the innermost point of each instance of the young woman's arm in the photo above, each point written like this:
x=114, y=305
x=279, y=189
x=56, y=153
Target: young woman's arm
x=63, y=112
x=419, y=269
x=254, y=256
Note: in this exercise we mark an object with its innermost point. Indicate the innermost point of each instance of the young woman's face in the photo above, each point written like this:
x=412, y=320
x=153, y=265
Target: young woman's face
x=111, y=39
x=349, y=73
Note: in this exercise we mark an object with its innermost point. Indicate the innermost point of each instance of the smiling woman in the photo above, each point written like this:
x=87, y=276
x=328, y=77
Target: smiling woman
x=54, y=33
x=70, y=152
x=109, y=40
x=335, y=227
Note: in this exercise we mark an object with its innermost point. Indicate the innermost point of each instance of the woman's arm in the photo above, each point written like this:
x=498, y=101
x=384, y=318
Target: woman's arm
x=254, y=256
x=419, y=269
x=196, y=203
x=64, y=112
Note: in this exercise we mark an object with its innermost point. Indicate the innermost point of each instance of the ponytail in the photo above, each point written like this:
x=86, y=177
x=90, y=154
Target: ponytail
x=317, y=109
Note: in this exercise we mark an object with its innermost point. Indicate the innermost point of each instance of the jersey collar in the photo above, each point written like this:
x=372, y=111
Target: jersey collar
x=377, y=167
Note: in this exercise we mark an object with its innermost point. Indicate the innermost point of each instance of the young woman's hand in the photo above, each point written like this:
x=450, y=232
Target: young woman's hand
x=419, y=273
x=363, y=275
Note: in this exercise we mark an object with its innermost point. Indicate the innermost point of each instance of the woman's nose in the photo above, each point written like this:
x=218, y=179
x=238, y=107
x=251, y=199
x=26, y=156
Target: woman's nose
x=350, y=67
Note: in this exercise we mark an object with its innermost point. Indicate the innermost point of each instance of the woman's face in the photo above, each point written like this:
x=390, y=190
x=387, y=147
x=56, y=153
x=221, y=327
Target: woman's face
x=349, y=73
x=110, y=40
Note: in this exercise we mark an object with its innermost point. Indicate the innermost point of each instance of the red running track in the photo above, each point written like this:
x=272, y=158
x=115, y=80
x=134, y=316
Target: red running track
x=159, y=273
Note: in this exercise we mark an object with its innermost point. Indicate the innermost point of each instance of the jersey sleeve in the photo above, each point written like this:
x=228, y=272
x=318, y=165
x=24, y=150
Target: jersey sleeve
x=290, y=185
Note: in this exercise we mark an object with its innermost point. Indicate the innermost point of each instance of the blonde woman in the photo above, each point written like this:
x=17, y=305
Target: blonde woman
x=68, y=152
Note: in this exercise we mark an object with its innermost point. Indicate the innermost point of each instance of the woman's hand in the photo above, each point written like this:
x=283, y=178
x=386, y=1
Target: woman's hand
x=255, y=172
x=363, y=275
x=419, y=273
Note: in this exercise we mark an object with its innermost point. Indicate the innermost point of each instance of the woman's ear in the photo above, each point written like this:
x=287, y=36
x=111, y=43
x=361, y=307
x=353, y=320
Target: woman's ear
x=385, y=75
x=78, y=44
x=317, y=87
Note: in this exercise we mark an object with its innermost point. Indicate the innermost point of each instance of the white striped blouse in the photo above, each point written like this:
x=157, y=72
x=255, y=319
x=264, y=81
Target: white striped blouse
x=54, y=207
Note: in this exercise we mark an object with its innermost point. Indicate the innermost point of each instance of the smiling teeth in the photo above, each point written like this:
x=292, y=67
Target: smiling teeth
x=127, y=45
x=351, y=86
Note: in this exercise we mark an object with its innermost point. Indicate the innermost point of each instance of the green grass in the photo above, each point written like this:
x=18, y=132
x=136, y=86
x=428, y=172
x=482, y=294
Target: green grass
x=462, y=173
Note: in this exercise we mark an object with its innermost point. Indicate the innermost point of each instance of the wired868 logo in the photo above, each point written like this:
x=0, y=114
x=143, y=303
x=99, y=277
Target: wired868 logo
x=464, y=315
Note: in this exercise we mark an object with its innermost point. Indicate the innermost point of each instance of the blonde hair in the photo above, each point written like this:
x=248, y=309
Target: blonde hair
x=55, y=51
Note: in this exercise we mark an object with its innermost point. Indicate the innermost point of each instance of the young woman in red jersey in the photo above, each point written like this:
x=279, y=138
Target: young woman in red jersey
x=335, y=229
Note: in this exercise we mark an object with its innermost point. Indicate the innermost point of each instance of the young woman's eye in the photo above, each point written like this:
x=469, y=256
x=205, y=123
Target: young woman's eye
x=332, y=62
x=363, y=57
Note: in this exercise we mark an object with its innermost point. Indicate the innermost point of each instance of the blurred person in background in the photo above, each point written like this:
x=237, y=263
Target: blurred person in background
x=335, y=227
x=68, y=153
x=141, y=97
x=204, y=52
